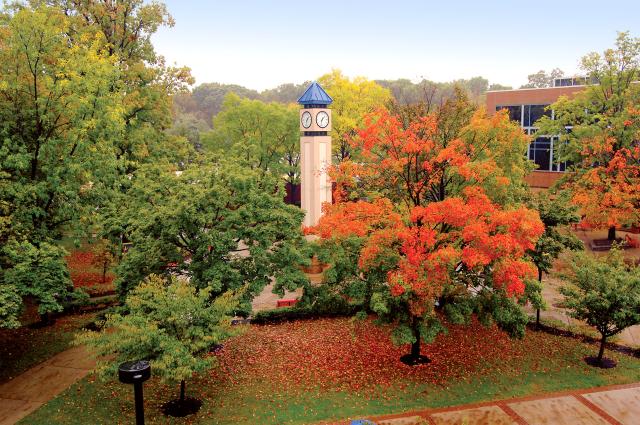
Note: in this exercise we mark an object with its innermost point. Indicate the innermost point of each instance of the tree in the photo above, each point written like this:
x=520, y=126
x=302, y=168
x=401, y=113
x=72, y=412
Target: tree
x=145, y=81
x=208, y=99
x=605, y=293
x=417, y=199
x=170, y=323
x=284, y=93
x=190, y=127
x=541, y=79
x=599, y=130
x=352, y=99
x=555, y=213
x=263, y=136
x=217, y=222
x=497, y=86
x=59, y=119
x=104, y=255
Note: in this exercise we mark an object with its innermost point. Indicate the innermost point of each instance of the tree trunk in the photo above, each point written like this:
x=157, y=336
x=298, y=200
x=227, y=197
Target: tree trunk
x=611, y=235
x=104, y=271
x=415, y=346
x=538, y=309
x=182, y=390
x=603, y=341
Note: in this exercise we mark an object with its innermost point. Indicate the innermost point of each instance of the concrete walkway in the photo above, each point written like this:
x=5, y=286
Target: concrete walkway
x=614, y=405
x=30, y=390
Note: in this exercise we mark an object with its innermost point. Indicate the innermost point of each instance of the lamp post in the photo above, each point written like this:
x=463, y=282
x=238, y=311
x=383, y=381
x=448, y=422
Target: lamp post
x=136, y=373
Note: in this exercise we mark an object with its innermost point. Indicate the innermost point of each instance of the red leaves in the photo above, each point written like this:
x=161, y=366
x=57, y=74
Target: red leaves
x=83, y=271
x=607, y=186
x=355, y=218
x=341, y=354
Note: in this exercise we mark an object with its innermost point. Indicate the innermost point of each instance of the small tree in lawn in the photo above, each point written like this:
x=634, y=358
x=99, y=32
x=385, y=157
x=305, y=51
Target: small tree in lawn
x=170, y=323
x=554, y=213
x=605, y=293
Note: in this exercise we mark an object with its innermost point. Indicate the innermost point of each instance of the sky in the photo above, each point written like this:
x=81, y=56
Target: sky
x=261, y=44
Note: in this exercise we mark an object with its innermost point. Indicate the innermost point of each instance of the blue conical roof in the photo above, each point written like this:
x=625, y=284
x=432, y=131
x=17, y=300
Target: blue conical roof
x=315, y=95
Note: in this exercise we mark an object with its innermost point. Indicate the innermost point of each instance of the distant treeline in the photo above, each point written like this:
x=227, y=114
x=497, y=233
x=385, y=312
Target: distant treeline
x=197, y=108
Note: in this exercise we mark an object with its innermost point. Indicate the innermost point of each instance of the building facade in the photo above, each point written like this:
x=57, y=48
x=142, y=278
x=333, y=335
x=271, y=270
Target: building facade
x=526, y=106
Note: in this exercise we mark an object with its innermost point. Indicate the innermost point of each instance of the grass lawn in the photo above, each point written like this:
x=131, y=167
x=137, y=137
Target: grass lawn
x=310, y=371
x=27, y=346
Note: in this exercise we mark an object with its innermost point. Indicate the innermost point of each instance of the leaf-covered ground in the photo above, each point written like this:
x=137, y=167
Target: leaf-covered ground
x=86, y=273
x=309, y=371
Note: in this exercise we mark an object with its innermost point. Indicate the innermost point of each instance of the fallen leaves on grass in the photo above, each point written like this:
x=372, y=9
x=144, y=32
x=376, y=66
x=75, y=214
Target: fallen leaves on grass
x=83, y=274
x=341, y=354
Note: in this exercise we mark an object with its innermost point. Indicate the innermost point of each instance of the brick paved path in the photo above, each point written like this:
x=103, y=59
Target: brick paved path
x=30, y=390
x=617, y=405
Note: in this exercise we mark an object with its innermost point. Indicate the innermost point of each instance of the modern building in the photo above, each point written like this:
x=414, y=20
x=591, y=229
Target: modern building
x=526, y=106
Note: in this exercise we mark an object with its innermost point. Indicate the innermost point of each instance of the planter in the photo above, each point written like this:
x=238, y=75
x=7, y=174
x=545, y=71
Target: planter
x=316, y=267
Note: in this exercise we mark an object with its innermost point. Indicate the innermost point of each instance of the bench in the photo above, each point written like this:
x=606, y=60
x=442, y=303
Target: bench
x=286, y=303
x=631, y=242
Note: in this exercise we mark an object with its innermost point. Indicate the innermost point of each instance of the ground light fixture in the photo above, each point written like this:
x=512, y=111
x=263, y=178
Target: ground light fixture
x=136, y=373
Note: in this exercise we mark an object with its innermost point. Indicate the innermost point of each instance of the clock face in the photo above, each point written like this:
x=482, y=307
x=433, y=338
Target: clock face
x=322, y=119
x=306, y=120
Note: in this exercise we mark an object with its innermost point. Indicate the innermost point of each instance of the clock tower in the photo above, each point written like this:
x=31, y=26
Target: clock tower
x=315, y=152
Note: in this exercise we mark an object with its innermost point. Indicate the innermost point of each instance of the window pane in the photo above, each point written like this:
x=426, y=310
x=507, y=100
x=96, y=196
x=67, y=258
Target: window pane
x=533, y=113
x=515, y=111
x=541, y=148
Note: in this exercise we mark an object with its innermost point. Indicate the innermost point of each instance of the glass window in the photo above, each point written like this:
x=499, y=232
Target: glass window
x=558, y=153
x=562, y=166
x=540, y=153
x=533, y=113
x=515, y=111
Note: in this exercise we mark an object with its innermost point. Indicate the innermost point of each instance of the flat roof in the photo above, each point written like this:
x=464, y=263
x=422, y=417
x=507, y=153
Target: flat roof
x=535, y=88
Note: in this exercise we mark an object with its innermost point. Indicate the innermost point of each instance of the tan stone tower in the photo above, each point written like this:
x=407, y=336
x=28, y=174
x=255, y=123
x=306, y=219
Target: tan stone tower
x=315, y=152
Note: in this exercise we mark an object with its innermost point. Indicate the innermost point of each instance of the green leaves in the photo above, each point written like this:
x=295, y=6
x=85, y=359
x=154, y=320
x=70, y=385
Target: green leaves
x=39, y=272
x=259, y=135
x=604, y=292
x=10, y=305
x=169, y=322
x=556, y=212
x=219, y=223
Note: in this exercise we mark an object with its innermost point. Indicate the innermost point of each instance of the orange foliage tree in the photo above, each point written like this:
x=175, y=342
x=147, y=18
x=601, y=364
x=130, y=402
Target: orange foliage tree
x=600, y=131
x=431, y=237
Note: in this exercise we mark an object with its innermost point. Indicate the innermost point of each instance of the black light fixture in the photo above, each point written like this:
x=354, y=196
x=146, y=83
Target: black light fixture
x=136, y=373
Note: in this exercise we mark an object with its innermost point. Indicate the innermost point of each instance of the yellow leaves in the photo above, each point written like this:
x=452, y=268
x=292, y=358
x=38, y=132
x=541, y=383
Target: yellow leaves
x=352, y=100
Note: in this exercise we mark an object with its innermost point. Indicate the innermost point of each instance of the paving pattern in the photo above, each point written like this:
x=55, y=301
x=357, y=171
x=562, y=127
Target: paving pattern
x=616, y=405
x=27, y=392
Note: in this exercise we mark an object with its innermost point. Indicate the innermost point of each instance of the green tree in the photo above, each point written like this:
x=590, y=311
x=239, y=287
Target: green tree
x=598, y=131
x=352, y=100
x=144, y=79
x=605, y=293
x=284, y=93
x=40, y=272
x=555, y=213
x=207, y=99
x=218, y=222
x=263, y=136
x=497, y=86
x=170, y=323
x=542, y=79
x=59, y=119
x=147, y=87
